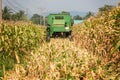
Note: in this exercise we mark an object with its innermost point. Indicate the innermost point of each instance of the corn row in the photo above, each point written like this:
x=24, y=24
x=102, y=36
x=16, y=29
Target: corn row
x=17, y=40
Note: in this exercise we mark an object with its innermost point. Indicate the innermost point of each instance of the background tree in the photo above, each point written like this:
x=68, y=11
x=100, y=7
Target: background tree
x=37, y=19
x=19, y=16
x=6, y=13
x=65, y=12
x=106, y=8
x=88, y=15
x=77, y=17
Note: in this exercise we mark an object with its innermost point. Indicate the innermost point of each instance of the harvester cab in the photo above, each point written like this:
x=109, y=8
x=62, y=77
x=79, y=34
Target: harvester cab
x=58, y=24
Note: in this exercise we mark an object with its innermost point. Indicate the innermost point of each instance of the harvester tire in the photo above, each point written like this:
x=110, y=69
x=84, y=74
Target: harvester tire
x=70, y=36
x=47, y=36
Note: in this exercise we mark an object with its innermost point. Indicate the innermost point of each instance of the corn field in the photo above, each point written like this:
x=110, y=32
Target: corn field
x=94, y=54
x=16, y=41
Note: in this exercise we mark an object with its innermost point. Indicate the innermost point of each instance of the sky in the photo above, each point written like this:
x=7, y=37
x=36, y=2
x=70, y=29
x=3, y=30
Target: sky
x=42, y=6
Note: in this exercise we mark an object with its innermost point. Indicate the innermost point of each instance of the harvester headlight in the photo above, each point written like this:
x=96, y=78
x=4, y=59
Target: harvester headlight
x=66, y=28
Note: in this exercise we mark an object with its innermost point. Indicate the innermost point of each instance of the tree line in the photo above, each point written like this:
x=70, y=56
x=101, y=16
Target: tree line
x=7, y=14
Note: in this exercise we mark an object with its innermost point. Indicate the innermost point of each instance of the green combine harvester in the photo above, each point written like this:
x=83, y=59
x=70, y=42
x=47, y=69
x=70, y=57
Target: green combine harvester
x=59, y=25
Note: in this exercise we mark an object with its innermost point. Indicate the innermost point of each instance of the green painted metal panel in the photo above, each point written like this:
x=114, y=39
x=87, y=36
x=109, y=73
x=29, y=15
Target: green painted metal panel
x=59, y=29
x=59, y=22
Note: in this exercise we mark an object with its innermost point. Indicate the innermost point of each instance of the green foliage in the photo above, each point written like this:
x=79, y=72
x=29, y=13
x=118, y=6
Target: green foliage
x=37, y=19
x=7, y=14
x=16, y=41
x=19, y=16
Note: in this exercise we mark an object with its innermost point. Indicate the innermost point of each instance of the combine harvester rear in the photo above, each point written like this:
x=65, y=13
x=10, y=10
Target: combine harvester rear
x=59, y=24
